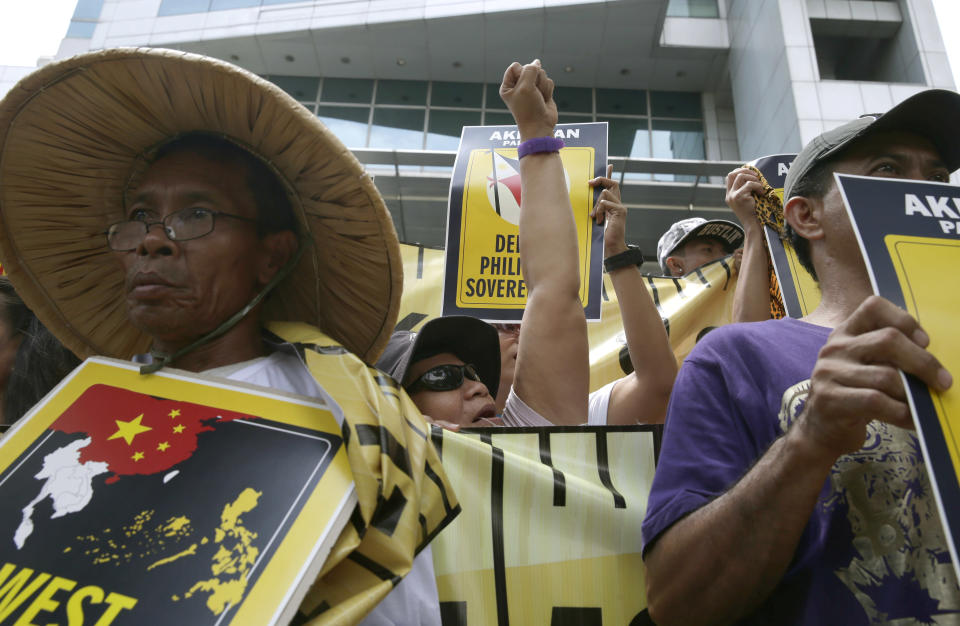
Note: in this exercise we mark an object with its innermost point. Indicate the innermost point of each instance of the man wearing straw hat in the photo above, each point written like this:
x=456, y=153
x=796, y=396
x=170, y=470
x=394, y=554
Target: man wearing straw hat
x=176, y=207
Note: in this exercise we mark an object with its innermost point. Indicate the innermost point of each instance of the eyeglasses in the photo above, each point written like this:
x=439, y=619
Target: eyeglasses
x=182, y=225
x=513, y=329
x=444, y=378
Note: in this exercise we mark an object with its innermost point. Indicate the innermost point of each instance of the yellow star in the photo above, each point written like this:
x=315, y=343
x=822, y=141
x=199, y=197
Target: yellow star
x=137, y=456
x=163, y=446
x=128, y=430
x=174, y=413
x=178, y=429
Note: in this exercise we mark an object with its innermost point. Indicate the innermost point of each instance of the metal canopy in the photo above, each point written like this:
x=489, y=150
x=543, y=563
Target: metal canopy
x=415, y=185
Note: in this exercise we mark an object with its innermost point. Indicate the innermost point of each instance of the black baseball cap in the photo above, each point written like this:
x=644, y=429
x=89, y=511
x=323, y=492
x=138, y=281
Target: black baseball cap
x=470, y=339
x=934, y=114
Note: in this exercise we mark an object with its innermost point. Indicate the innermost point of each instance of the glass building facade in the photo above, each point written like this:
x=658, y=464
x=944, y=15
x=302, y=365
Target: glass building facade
x=428, y=115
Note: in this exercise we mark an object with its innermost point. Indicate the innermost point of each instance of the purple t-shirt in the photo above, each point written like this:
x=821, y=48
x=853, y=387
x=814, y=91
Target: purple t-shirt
x=873, y=550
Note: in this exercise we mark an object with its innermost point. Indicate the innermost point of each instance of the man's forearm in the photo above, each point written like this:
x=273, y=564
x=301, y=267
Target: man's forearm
x=720, y=562
x=751, y=302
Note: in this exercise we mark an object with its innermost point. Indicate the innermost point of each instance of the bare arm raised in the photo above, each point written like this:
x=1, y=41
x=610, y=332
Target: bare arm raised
x=552, y=372
x=744, y=540
x=642, y=396
x=751, y=302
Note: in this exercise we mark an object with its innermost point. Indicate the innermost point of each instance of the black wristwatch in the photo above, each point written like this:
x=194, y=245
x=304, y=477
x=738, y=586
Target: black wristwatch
x=630, y=256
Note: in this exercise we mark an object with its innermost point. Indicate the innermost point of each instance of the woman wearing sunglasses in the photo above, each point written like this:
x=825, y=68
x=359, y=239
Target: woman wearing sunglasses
x=451, y=369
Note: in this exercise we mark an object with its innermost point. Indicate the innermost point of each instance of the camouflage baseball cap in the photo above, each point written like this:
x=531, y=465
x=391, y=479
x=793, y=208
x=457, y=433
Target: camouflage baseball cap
x=729, y=233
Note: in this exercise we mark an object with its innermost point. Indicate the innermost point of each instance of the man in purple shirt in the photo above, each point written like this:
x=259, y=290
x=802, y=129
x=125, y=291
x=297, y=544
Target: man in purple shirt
x=791, y=488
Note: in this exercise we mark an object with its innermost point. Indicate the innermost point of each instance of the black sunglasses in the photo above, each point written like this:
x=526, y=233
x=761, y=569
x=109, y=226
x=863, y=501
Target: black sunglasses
x=444, y=378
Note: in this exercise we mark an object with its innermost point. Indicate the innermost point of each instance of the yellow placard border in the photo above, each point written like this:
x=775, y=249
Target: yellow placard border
x=583, y=247
x=950, y=435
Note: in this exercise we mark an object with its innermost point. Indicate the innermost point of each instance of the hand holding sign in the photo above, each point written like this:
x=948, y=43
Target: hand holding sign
x=528, y=93
x=855, y=379
x=609, y=210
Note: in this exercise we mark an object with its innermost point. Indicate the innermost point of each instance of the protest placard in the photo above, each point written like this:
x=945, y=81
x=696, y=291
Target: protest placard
x=908, y=233
x=482, y=275
x=798, y=289
x=167, y=499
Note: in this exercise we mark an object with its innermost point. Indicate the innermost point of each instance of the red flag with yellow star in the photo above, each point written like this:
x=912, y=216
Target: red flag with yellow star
x=135, y=433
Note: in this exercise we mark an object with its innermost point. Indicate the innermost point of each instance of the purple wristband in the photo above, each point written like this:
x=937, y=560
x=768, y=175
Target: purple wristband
x=539, y=144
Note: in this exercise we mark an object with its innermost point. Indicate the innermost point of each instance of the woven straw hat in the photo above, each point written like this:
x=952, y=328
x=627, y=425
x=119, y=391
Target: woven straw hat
x=72, y=138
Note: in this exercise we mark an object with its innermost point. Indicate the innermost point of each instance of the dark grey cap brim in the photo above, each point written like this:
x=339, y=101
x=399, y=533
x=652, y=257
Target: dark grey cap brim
x=933, y=114
x=470, y=339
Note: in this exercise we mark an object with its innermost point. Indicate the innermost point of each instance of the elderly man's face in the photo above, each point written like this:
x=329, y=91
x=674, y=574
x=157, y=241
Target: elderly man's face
x=178, y=290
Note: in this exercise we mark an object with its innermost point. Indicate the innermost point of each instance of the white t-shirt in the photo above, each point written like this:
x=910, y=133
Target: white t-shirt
x=415, y=599
x=516, y=412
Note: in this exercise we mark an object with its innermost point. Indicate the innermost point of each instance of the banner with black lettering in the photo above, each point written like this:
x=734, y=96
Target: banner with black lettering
x=167, y=499
x=550, y=531
x=689, y=307
x=483, y=277
x=909, y=233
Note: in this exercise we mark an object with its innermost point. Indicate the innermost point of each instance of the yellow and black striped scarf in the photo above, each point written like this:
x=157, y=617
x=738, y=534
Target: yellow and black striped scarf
x=770, y=213
x=404, y=496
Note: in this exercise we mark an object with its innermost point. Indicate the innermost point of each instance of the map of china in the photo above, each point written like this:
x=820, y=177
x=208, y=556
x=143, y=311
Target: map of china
x=122, y=433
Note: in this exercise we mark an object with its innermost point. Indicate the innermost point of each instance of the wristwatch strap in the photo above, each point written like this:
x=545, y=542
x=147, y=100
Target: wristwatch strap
x=631, y=256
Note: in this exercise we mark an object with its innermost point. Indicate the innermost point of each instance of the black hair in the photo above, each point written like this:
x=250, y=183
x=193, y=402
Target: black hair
x=15, y=313
x=41, y=363
x=274, y=210
x=814, y=184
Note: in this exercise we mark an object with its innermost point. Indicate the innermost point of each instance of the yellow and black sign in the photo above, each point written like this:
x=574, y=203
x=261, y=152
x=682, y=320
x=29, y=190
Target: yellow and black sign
x=799, y=290
x=483, y=276
x=909, y=230
x=689, y=307
x=551, y=526
x=167, y=499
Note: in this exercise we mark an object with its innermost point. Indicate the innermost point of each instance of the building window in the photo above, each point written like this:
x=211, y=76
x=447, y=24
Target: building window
x=221, y=5
x=303, y=88
x=347, y=90
x=693, y=8
x=88, y=10
x=397, y=129
x=181, y=7
x=444, y=127
x=417, y=115
x=348, y=123
x=80, y=29
x=85, y=18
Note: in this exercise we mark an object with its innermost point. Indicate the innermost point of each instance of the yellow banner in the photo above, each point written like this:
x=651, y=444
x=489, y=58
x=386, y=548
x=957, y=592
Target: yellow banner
x=550, y=532
x=689, y=306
